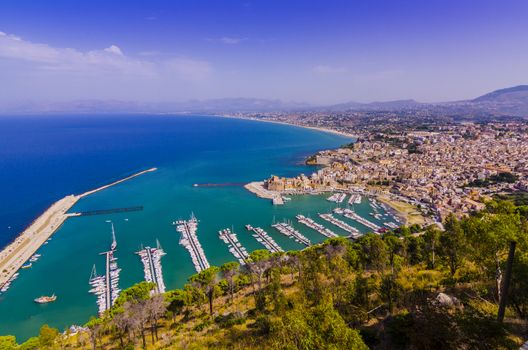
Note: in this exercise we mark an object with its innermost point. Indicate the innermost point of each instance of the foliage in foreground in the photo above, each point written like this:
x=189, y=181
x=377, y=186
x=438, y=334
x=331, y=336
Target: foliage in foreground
x=409, y=289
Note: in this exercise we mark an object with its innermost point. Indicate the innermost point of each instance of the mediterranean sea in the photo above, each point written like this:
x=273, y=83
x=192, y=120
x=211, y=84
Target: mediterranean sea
x=44, y=158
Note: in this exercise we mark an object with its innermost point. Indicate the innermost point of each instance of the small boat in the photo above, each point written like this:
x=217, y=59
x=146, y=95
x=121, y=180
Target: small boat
x=249, y=227
x=27, y=266
x=45, y=299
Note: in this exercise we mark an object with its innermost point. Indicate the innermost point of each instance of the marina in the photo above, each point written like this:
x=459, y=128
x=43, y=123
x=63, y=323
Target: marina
x=189, y=240
x=265, y=239
x=151, y=259
x=348, y=213
x=316, y=226
x=354, y=232
x=355, y=198
x=106, y=287
x=337, y=197
x=230, y=238
x=290, y=232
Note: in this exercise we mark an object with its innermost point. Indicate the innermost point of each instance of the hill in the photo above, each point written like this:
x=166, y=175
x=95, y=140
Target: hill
x=412, y=288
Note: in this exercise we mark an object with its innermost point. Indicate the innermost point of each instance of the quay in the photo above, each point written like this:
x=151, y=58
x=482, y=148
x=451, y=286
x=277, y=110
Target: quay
x=107, y=211
x=337, y=197
x=265, y=239
x=354, y=232
x=316, y=226
x=230, y=238
x=151, y=259
x=189, y=240
x=290, y=232
x=353, y=216
x=262, y=192
x=16, y=254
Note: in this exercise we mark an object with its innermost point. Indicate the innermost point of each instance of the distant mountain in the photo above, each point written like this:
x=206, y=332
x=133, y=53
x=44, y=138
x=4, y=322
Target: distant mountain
x=513, y=94
x=511, y=101
x=223, y=105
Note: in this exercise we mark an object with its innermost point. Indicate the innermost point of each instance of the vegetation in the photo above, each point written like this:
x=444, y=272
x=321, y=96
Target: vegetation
x=494, y=179
x=415, y=288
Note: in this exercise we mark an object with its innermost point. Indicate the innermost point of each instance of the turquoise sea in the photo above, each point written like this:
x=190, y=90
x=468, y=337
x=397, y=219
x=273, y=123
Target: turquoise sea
x=44, y=158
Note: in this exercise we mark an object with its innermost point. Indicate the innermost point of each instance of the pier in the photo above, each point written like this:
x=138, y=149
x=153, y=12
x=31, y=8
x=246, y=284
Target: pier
x=107, y=211
x=290, y=232
x=189, y=240
x=337, y=197
x=16, y=254
x=230, y=238
x=265, y=239
x=354, y=232
x=316, y=226
x=106, y=287
x=355, y=198
x=151, y=259
x=353, y=216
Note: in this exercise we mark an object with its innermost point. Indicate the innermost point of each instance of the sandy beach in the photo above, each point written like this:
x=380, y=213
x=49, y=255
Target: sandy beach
x=331, y=131
x=32, y=238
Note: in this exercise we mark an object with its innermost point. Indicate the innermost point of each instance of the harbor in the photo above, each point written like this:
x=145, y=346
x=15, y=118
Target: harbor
x=16, y=254
x=350, y=214
x=230, y=238
x=265, y=239
x=315, y=226
x=337, y=197
x=106, y=287
x=151, y=260
x=290, y=232
x=189, y=239
x=354, y=232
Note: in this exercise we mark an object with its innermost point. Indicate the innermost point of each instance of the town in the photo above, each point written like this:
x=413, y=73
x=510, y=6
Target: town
x=451, y=168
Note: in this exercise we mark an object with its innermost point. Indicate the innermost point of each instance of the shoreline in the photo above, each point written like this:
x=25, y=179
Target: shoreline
x=16, y=253
x=316, y=128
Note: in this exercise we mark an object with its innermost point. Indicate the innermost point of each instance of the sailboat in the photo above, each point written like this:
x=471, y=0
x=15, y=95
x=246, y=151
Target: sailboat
x=114, y=242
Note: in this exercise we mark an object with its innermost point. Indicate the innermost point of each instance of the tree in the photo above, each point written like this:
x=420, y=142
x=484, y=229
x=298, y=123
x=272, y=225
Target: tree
x=230, y=270
x=8, y=342
x=136, y=313
x=30, y=344
x=138, y=292
x=47, y=336
x=95, y=327
x=431, y=238
x=259, y=263
x=452, y=243
x=207, y=280
x=177, y=300
x=155, y=309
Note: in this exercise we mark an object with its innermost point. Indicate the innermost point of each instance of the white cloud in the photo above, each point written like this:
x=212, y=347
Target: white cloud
x=325, y=69
x=230, y=40
x=114, y=49
x=98, y=62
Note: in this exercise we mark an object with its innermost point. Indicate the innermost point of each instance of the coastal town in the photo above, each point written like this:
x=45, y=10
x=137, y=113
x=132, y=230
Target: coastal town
x=452, y=168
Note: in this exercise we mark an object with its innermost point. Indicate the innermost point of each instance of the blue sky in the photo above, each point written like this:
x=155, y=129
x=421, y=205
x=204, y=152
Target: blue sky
x=312, y=51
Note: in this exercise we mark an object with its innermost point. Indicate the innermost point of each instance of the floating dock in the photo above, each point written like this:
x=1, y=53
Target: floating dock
x=337, y=197
x=316, y=226
x=151, y=259
x=355, y=198
x=189, y=240
x=290, y=232
x=230, y=238
x=354, y=232
x=265, y=239
x=353, y=216
x=106, y=287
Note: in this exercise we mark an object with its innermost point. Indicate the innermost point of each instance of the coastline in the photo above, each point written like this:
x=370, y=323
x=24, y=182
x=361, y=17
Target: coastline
x=316, y=128
x=15, y=254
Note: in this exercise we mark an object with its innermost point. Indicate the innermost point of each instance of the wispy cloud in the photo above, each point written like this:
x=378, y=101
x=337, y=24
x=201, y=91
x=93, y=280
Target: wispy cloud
x=111, y=59
x=228, y=40
x=325, y=69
